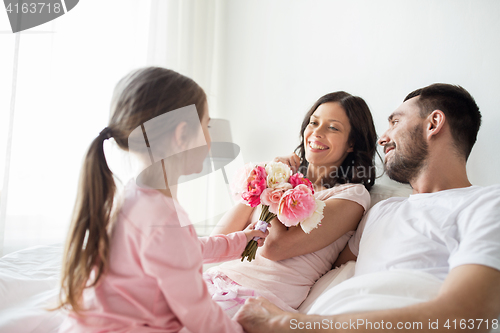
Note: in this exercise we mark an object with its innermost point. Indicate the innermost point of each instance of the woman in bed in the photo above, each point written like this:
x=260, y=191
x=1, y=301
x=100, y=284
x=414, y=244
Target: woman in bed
x=336, y=152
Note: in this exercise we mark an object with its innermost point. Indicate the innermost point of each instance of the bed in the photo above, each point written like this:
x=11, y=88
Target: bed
x=29, y=286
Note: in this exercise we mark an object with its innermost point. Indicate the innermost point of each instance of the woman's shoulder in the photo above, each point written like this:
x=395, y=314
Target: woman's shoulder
x=358, y=189
x=350, y=191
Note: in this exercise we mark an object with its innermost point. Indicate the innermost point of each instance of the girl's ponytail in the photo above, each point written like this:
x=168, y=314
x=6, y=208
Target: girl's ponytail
x=87, y=245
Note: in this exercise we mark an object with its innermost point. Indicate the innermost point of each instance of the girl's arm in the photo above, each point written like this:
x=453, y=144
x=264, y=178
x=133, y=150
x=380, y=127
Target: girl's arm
x=173, y=256
x=236, y=219
x=340, y=216
x=218, y=248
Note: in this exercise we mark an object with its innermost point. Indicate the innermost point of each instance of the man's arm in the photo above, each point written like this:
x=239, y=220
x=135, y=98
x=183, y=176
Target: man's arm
x=468, y=299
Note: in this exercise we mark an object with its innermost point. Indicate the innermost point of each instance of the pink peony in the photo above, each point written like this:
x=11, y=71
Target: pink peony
x=256, y=183
x=271, y=197
x=298, y=179
x=296, y=205
x=240, y=179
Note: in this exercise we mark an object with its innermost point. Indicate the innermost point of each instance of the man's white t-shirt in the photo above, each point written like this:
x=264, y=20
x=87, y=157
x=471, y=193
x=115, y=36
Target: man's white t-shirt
x=431, y=232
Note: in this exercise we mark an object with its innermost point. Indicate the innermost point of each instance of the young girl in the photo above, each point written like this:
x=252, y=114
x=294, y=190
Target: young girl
x=338, y=144
x=136, y=266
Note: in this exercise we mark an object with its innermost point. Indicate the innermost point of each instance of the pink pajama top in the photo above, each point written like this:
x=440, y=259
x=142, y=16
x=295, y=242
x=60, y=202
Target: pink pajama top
x=154, y=282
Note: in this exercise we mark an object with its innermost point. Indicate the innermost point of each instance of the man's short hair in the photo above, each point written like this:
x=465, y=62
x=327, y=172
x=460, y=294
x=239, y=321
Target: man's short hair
x=459, y=107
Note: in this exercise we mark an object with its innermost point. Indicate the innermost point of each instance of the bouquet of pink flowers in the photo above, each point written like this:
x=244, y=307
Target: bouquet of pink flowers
x=281, y=194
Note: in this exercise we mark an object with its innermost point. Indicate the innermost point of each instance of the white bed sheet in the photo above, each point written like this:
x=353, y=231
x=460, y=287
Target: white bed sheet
x=29, y=284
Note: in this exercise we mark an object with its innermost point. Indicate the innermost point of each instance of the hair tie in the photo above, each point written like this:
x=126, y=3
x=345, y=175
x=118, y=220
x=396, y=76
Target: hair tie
x=105, y=133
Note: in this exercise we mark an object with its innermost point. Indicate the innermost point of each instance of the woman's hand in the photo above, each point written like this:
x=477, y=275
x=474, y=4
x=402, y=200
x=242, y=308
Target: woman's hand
x=251, y=233
x=292, y=160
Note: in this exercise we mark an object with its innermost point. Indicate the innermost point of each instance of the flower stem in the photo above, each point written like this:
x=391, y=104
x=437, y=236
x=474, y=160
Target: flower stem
x=251, y=248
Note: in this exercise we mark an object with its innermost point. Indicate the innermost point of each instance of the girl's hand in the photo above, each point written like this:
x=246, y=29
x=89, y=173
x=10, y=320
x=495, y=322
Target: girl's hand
x=292, y=160
x=251, y=233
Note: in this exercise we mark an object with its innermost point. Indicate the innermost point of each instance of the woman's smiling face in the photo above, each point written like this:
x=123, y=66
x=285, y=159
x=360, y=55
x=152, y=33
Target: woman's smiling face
x=326, y=138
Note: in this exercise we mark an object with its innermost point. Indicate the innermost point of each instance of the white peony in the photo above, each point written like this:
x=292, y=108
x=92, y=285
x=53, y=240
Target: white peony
x=314, y=220
x=277, y=173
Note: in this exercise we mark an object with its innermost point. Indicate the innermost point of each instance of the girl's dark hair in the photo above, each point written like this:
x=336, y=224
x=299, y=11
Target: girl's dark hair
x=359, y=165
x=140, y=96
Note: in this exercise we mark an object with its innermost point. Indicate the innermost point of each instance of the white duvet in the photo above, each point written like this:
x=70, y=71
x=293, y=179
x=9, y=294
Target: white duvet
x=29, y=284
x=377, y=291
x=339, y=291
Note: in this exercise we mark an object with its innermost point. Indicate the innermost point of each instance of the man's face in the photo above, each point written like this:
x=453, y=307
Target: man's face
x=404, y=143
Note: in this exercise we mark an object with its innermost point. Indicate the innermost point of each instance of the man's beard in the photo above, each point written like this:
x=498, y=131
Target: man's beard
x=407, y=163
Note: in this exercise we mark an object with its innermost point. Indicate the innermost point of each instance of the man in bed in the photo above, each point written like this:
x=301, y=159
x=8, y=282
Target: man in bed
x=447, y=228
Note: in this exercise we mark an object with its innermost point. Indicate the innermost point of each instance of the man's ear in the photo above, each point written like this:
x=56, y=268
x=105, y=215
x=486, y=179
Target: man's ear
x=180, y=136
x=435, y=123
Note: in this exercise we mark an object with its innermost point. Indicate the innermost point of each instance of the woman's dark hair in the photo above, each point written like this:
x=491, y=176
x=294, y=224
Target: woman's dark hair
x=359, y=165
x=140, y=96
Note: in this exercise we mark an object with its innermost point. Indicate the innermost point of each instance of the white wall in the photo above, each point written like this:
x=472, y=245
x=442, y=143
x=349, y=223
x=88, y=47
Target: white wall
x=280, y=56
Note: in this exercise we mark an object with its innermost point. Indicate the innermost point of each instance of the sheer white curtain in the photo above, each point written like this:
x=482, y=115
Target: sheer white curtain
x=188, y=36
x=57, y=98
